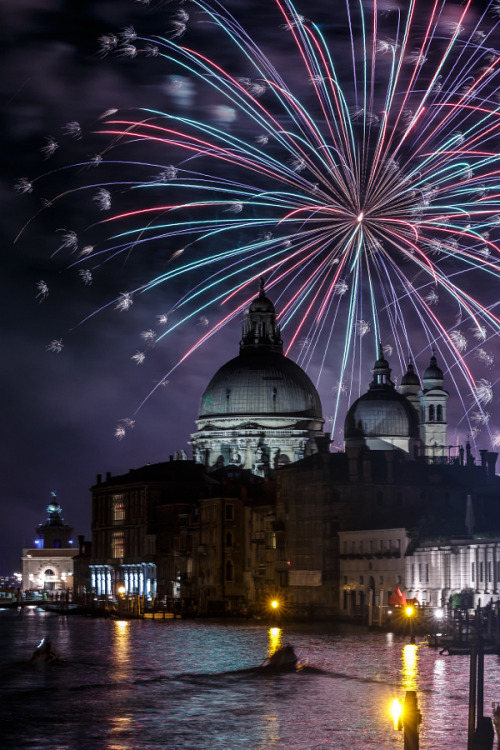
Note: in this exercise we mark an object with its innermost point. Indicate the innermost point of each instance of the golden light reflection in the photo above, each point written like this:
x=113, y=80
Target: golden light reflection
x=275, y=635
x=409, y=668
x=397, y=713
x=121, y=649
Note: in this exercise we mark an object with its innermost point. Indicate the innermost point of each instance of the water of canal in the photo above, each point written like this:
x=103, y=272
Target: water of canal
x=143, y=685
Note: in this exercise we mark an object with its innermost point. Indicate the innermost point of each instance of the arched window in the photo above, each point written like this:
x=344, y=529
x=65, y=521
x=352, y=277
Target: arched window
x=229, y=571
x=439, y=413
x=229, y=539
x=49, y=572
x=431, y=413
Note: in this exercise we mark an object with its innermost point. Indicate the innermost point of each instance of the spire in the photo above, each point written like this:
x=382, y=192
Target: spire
x=381, y=371
x=260, y=330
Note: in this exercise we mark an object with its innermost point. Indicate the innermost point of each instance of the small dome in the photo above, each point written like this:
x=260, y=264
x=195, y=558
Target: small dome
x=261, y=304
x=261, y=382
x=433, y=372
x=381, y=413
x=410, y=377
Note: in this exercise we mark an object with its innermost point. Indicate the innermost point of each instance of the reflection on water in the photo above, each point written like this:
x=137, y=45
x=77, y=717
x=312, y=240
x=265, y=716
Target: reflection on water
x=274, y=640
x=181, y=685
x=409, y=665
x=121, y=649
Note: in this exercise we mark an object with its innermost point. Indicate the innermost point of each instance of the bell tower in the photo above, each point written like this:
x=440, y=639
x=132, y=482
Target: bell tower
x=433, y=416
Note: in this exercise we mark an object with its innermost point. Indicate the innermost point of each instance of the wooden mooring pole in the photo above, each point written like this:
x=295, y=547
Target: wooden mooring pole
x=479, y=737
x=472, y=697
x=411, y=721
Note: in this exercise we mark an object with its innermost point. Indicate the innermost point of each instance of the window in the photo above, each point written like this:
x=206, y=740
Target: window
x=229, y=539
x=490, y=572
x=229, y=512
x=431, y=413
x=413, y=572
x=481, y=574
x=118, y=508
x=361, y=580
x=381, y=580
x=229, y=571
x=57, y=544
x=420, y=572
x=117, y=544
x=472, y=571
x=427, y=572
x=439, y=413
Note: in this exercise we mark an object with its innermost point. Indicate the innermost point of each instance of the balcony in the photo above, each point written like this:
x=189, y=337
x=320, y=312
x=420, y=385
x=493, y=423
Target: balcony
x=258, y=537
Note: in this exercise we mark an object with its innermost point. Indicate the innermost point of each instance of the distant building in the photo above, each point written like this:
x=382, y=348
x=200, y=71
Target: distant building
x=372, y=565
x=49, y=565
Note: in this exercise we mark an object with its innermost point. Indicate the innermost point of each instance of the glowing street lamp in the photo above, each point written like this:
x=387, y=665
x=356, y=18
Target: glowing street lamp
x=409, y=613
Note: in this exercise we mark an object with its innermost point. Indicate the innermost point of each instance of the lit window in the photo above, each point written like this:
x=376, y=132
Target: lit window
x=117, y=544
x=118, y=508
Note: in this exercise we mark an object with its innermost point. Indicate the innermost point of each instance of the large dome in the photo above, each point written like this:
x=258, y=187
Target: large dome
x=260, y=382
x=260, y=410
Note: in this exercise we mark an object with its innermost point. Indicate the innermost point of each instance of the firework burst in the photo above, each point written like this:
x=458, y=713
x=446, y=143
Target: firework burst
x=362, y=181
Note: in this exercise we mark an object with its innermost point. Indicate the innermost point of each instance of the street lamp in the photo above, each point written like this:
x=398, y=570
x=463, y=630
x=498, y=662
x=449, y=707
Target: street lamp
x=410, y=613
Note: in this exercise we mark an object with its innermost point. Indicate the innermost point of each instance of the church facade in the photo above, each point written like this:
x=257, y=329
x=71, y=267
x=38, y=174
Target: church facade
x=260, y=411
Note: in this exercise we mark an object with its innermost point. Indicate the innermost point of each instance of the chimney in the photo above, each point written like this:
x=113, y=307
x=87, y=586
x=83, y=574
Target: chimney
x=491, y=459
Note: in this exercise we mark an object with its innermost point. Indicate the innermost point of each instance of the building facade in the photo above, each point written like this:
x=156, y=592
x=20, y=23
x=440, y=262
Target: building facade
x=260, y=410
x=49, y=565
x=266, y=510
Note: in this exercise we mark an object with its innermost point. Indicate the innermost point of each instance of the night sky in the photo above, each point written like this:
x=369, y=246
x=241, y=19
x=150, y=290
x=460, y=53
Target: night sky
x=61, y=409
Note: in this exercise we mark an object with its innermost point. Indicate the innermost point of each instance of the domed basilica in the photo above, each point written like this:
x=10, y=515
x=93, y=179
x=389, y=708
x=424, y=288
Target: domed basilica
x=412, y=419
x=260, y=410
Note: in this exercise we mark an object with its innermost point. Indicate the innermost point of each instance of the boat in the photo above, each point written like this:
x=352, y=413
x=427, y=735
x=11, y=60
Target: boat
x=63, y=609
x=43, y=654
x=284, y=659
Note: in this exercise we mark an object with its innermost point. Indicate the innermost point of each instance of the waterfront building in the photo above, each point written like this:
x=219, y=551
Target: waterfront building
x=458, y=571
x=265, y=509
x=136, y=527
x=397, y=472
x=49, y=565
x=372, y=565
